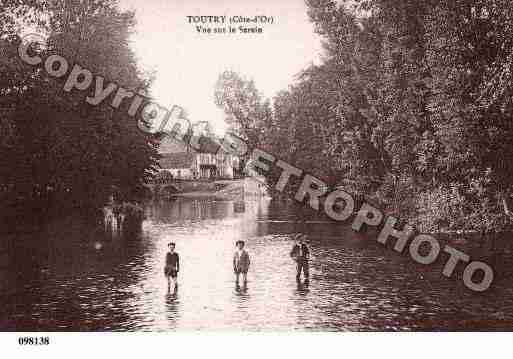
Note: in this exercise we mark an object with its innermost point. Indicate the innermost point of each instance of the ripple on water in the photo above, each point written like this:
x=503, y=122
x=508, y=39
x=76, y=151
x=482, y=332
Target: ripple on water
x=355, y=284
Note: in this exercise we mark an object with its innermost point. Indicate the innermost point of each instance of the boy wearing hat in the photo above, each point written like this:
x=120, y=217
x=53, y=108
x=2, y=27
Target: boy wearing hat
x=301, y=254
x=172, y=266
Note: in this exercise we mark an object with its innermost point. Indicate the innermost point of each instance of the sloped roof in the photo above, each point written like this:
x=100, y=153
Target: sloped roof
x=170, y=145
x=206, y=144
x=176, y=160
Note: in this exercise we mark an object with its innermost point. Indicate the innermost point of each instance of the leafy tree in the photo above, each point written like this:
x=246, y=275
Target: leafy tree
x=412, y=104
x=247, y=112
x=65, y=151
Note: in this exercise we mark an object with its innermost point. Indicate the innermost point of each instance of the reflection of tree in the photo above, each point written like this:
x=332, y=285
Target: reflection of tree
x=205, y=208
x=71, y=259
x=190, y=209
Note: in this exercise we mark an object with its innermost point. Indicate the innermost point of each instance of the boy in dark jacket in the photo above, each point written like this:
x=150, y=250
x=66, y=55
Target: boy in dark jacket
x=172, y=266
x=301, y=254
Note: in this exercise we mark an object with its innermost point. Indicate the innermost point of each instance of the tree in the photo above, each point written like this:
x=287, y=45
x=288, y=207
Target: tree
x=63, y=147
x=247, y=113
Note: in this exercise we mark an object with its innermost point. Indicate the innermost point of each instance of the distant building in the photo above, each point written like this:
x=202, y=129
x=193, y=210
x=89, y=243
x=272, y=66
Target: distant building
x=210, y=161
x=180, y=165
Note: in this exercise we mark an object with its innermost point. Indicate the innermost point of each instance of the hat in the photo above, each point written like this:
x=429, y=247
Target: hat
x=298, y=236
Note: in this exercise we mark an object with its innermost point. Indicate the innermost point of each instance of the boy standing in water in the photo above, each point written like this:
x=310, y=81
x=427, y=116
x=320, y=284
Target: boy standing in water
x=241, y=262
x=172, y=267
x=301, y=254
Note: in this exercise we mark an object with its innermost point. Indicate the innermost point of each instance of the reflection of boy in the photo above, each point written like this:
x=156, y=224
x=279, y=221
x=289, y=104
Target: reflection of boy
x=241, y=262
x=301, y=254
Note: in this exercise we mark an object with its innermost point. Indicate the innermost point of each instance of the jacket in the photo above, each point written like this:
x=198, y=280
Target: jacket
x=295, y=252
x=241, y=264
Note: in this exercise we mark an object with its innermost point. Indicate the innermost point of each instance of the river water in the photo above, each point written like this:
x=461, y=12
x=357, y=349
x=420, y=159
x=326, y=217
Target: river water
x=78, y=279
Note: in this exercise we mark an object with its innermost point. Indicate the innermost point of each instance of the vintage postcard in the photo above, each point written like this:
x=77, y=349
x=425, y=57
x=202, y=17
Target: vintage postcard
x=255, y=166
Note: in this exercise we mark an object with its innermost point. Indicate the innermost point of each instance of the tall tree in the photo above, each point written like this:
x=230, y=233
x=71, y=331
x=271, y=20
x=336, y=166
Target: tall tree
x=247, y=112
x=64, y=146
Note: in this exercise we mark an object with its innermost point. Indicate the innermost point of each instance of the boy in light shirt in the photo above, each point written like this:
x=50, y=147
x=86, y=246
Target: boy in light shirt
x=241, y=262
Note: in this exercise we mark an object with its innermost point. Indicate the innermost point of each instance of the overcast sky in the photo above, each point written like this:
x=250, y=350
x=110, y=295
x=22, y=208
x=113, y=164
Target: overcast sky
x=187, y=64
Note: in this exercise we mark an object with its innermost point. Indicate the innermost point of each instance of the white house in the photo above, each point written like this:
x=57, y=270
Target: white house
x=211, y=161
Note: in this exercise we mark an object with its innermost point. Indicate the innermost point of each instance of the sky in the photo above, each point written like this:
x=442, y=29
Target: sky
x=187, y=63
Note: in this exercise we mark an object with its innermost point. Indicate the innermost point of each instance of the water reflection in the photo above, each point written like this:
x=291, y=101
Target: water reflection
x=172, y=309
x=69, y=282
x=302, y=288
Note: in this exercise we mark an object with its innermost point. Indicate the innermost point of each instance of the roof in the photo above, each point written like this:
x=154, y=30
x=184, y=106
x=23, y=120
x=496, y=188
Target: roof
x=171, y=145
x=176, y=160
x=206, y=144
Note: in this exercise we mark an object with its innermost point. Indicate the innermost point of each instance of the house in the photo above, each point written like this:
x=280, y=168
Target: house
x=209, y=161
x=180, y=165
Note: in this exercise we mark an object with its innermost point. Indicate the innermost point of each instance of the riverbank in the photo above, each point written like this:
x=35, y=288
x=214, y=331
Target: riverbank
x=230, y=190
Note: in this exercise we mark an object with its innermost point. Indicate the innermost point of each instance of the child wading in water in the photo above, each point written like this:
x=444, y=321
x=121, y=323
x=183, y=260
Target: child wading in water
x=172, y=267
x=241, y=262
x=301, y=254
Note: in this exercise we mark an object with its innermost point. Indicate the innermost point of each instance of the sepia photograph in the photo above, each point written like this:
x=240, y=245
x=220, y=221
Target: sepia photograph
x=242, y=166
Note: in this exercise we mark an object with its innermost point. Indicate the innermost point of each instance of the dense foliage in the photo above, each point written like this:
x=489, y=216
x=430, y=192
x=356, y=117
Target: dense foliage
x=412, y=105
x=57, y=150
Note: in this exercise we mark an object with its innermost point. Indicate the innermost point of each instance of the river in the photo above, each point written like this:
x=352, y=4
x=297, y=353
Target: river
x=77, y=279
